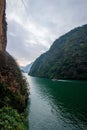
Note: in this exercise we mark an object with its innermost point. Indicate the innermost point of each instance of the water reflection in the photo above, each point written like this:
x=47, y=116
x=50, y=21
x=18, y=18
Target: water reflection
x=65, y=99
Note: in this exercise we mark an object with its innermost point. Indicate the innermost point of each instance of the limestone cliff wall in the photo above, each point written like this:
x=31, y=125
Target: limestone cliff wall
x=3, y=26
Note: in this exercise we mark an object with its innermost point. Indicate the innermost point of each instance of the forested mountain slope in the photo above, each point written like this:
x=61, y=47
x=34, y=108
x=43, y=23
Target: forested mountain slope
x=66, y=58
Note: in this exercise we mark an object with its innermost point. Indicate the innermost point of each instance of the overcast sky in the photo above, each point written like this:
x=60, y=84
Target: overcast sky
x=33, y=25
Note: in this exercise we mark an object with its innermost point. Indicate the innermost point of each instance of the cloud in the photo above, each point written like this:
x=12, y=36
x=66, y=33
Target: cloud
x=23, y=44
x=33, y=26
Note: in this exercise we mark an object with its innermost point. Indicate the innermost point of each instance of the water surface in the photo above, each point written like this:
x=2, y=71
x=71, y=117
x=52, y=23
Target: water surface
x=57, y=105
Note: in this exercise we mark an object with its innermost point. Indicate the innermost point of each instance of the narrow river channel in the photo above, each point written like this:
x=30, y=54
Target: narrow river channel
x=57, y=105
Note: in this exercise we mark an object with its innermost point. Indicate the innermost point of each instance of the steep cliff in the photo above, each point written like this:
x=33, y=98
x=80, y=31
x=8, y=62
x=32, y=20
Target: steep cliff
x=10, y=74
x=13, y=86
x=3, y=26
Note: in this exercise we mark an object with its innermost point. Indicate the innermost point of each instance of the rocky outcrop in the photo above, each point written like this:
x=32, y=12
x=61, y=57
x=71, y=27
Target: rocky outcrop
x=13, y=86
x=11, y=78
x=10, y=75
x=3, y=26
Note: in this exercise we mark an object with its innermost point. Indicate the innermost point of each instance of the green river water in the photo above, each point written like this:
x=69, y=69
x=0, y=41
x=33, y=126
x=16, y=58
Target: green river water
x=57, y=105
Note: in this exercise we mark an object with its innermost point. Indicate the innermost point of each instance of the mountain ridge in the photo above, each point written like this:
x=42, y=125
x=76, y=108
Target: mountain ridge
x=26, y=69
x=66, y=58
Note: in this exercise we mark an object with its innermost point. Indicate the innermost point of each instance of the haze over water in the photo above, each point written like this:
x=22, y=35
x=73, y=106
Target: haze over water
x=57, y=105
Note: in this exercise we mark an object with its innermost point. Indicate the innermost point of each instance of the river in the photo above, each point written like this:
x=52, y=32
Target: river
x=57, y=105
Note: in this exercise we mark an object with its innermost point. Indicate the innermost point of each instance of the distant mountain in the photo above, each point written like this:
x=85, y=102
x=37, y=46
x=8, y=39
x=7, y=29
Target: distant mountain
x=26, y=69
x=66, y=59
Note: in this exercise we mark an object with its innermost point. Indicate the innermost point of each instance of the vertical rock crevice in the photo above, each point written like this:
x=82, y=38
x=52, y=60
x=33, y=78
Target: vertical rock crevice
x=3, y=26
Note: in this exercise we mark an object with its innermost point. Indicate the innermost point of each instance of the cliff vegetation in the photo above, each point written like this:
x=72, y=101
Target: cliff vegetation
x=13, y=94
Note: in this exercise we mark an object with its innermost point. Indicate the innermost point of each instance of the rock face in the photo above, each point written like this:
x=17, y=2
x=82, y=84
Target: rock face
x=10, y=75
x=3, y=26
x=66, y=59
